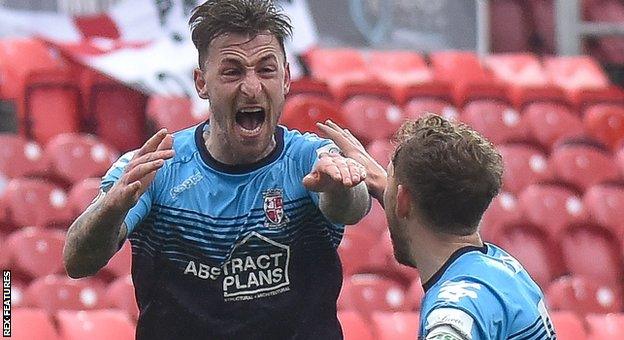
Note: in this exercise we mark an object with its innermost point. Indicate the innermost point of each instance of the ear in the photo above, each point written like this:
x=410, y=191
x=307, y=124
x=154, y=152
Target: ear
x=286, y=78
x=403, y=202
x=200, y=84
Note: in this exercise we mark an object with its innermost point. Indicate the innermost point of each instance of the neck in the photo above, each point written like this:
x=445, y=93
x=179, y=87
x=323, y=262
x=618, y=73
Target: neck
x=434, y=249
x=219, y=149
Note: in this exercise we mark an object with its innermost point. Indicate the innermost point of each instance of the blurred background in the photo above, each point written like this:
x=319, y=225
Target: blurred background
x=83, y=80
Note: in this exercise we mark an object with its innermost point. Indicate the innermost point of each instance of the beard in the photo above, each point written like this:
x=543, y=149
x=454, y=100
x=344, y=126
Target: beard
x=400, y=243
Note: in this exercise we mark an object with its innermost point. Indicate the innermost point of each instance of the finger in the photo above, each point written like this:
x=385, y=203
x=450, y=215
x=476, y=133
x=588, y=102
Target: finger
x=142, y=170
x=151, y=143
x=345, y=174
x=331, y=133
x=355, y=169
x=353, y=140
x=166, y=143
x=152, y=156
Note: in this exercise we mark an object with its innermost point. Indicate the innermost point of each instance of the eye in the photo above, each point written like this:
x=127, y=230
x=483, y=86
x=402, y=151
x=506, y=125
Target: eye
x=267, y=69
x=231, y=72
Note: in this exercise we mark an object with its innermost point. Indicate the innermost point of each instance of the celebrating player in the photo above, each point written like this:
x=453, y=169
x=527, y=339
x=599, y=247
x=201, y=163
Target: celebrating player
x=442, y=177
x=234, y=223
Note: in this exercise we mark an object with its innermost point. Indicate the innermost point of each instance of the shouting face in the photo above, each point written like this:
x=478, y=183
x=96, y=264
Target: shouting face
x=246, y=79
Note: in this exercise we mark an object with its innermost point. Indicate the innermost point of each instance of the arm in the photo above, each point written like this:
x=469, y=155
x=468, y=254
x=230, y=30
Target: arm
x=445, y=332
x=376, y=176
x=96, y=234
x=343, y=196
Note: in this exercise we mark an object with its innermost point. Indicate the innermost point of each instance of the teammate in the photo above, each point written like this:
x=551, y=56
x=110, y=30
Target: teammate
x=442, y=177
x=234, y=223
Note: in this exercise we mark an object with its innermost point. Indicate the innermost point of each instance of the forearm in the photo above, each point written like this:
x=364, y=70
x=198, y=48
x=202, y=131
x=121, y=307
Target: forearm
x=92, y=239
x=345, y=205
x=376, y=182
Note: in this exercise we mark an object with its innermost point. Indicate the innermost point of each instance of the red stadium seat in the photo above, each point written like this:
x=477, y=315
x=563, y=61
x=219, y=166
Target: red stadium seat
x=172, y=113
x=369, y=292
x=20, y=157
x=32, y=323
x=573, y=73
x=495, y=120
x=375, y=221
x=303, y=111
x=56, y=292
x=51, y=105
x=18, y=289
x=121, y=262
x=586, y=97
x=75, y=157
x=396, y=326
x=37, y=252
x=552, y=207
x=418, y=107
x=309, y=86
x=95, y=325
x=583, y=296
x=5, y=258
x=524, y=165
x=371, y=118
x=338, y=67
x=415, y=294
x=584, y=247
x=32, y=202
x=605, y=203
x=502, y=211
x=583, y=165
x=517, y=69
x=120, y=295
x=605, y=123
x=399, y=67
x=509, y=26
x=550, y=122
x=381, y=150
x=605, y=326
x=115, y=113
x=82, y=194
x=568, y=325
x=458, y=66
x=523, y=96
x=354, y=327
x=534, y=249
x=354, y=250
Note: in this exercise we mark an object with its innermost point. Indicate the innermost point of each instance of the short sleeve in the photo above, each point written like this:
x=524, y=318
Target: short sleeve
x=470, y=308
x=141, y=209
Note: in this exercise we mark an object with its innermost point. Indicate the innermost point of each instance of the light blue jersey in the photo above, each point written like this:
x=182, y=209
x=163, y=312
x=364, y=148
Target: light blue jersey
x=234, y=252
x=484, y=293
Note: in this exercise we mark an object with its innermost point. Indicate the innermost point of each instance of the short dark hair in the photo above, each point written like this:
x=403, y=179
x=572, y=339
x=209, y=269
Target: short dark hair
x=451, y=170
x=251, y=17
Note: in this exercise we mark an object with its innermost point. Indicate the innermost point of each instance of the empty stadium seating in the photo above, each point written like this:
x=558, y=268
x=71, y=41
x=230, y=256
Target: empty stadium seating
x=568, y=325
x=504, y=210
x=605, y=203
x=82, y=194
x=120, y=295
x=583, y=296
x=34, y=202
x=173, y=113
x=371, y=118
x=369, y=292
x=605, y=123
x=302, y=112
x=605, y=327
x=36, y=252
x=69, y=152
x=496, y=121
x=548, y=123
x=396, y=326
x=32, y=323
x=20, y=157
x=96, y=325
x=583, y=164
x=524, y=165
x=57, y=292
x=354, y=326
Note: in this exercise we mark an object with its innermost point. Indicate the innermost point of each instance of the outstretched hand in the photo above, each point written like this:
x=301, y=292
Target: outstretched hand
x=376, y=178
x=334, y=172
x=141, y=170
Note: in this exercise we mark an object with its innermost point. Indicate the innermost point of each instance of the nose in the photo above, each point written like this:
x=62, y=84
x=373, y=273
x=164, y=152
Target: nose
x=251, y=85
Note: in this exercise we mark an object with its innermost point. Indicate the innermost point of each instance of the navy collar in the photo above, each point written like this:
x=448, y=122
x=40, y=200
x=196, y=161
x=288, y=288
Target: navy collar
x=459, y=252
x=237, y=169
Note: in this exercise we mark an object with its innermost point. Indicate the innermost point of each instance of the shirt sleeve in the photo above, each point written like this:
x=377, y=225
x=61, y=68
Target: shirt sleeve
x=470, y=308
x=137, y=213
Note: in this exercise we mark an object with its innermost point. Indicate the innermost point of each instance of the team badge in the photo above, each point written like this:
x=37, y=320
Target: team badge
x=274, y=209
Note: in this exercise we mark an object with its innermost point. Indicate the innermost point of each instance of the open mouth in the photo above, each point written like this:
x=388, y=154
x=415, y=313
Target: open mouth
x=250, y=120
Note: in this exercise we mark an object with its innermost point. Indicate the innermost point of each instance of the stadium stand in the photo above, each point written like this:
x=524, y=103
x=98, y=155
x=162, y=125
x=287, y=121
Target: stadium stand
x=583, y=296
x=57, y=292
x=367, y=293
x=354, y=327
x=396, y=326
x=568, y=325
x=32, y=323
x=96, y=325
x=36, y=252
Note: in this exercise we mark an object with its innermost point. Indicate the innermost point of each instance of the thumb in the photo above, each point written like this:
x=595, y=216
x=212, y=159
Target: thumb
x=311, y=181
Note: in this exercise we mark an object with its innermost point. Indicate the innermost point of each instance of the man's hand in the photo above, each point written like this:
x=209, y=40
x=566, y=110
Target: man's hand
x=376, y=176
x=140, y=172
x=334, y=172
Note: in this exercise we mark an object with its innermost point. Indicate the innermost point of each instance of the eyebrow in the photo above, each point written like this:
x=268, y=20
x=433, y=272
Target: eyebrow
x=238, y=61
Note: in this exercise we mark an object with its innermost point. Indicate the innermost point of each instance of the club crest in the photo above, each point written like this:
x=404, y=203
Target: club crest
x=274, y=209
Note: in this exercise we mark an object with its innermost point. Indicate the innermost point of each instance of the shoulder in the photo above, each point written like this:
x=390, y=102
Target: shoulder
x=185, y=143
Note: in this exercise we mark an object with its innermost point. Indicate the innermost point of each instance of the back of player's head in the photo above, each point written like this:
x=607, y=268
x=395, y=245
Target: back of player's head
x=451, y=170
x=248, y=17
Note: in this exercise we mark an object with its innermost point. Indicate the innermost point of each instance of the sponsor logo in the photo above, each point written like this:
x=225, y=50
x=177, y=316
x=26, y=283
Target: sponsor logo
x=257, y=268
x=455, y=291
x=187, y=184
x=274, y=209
